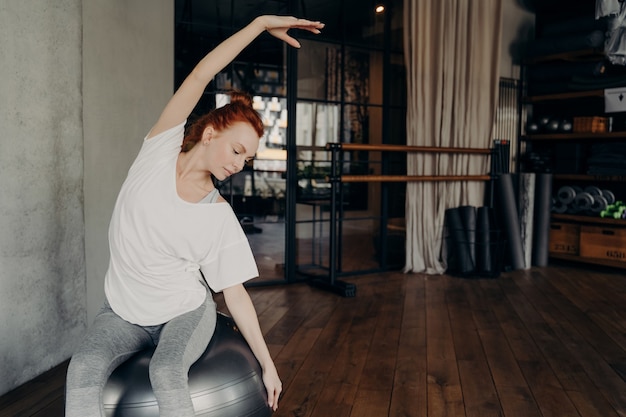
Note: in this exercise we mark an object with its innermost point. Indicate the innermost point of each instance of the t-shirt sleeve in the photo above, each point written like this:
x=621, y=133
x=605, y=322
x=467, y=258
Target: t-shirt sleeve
x=233, y=262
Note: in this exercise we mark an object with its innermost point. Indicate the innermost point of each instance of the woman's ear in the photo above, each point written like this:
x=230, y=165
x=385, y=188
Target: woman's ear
x=207, y=135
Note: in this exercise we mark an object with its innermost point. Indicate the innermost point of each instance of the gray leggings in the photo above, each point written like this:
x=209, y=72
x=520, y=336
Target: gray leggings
x=111, y=340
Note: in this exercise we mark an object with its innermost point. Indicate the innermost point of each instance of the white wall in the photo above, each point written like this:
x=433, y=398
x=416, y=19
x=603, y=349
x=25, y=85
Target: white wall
x=128, y=62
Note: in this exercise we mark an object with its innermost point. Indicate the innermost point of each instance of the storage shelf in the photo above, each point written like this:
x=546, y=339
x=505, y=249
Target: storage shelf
x=589, y=219
x=575, y=135
x=590, y=178
x=574, y=56
x=571, y=95
x=578, y=103
x=594, y=261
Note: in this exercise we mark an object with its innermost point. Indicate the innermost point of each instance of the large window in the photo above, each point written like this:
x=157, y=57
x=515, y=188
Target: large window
x=347, y=85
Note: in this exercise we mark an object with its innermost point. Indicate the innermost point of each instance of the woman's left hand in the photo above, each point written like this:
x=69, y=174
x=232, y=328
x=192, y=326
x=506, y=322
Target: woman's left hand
x=279, y=25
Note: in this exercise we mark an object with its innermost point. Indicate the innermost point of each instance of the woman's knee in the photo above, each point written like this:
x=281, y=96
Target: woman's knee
x=167, y=373
x=87, y=369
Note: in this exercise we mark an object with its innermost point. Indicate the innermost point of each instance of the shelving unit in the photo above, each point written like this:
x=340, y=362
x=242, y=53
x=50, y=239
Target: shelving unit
x=577, y=237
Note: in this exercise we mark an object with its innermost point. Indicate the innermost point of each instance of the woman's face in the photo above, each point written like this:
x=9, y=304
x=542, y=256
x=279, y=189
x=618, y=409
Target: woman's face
x=230, y=149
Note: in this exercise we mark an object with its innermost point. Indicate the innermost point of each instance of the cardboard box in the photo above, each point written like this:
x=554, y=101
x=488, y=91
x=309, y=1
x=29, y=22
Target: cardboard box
x=603, y=243
x=564, y=238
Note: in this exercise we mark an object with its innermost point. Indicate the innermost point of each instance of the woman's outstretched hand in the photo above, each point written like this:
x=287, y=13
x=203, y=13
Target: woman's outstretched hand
x=279, y=25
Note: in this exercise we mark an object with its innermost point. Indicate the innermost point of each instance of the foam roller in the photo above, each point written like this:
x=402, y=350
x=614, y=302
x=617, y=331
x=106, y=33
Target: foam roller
x=609, y=196
x=583, y=201
x=593, y=190
x=566, y=194
x=599, y=204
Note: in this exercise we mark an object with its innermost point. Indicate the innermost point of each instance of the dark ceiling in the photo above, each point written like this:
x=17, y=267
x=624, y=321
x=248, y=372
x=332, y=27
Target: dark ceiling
x=202, y=24
x=217, y=18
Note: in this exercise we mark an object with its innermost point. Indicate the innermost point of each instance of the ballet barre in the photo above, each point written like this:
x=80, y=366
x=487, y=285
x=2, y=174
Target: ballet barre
x=336, y=180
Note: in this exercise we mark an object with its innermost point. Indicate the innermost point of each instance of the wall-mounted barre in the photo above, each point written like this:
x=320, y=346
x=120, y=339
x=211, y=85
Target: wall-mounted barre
x=336, y=147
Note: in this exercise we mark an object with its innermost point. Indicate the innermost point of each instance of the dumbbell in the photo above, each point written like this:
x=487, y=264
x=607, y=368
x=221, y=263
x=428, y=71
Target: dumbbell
x=613, y=211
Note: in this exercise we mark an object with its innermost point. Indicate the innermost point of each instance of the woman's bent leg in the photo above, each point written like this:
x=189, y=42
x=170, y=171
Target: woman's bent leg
x=108, y=343
x=182, y=342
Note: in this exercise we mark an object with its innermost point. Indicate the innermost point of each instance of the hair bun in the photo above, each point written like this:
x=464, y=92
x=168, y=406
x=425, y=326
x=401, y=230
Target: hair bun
x=240, y=97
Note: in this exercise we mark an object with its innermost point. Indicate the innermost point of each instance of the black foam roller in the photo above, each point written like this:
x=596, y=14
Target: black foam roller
x=566, y=194
x=583, y=201
x=468, y=219
x=460, y=256
x=541, y=229
x=483, y=241
x=599, y=204
x=510, y=221
x=608, y=196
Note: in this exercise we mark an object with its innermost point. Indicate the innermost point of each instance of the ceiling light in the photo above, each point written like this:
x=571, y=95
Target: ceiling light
x=379, y=8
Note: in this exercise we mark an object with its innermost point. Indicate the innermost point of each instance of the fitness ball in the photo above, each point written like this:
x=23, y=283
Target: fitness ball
x=226, y=381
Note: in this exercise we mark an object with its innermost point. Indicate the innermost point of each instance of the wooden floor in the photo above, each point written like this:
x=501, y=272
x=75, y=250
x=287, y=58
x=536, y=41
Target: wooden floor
x=545, y=342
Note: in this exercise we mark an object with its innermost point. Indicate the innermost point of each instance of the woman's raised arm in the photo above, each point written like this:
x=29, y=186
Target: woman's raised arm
x=189, y=93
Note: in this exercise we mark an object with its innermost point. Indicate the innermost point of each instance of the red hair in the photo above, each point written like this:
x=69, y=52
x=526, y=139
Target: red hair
x=238, y=110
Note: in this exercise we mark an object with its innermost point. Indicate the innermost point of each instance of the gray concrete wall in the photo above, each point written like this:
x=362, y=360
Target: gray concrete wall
x=128, y=61
x=42, y=257
x=80, y=85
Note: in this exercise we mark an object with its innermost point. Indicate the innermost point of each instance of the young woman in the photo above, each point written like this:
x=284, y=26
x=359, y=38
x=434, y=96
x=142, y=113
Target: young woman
x=170, y=229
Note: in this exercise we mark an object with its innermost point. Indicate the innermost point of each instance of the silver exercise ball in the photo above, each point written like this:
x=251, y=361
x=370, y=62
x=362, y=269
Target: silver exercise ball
x=226, y=381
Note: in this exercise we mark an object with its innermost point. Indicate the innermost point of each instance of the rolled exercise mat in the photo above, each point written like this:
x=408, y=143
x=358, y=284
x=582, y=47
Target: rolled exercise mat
x=510, y=223
x=541, y=229
x=459, y=255
x=468, y=219
x=484, y=245
x=559, y=207
x=526, y=202
x=583, y=201
x=593, y=190
x=599, y=204
x=609, y=196
x=566, y=194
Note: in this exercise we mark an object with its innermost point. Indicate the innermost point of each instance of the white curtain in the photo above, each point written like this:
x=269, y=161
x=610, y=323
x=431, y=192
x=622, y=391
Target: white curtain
x=452, y=53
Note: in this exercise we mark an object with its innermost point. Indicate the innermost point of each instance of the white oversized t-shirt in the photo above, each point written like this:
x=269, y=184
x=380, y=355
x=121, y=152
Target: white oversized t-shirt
x=159, y=243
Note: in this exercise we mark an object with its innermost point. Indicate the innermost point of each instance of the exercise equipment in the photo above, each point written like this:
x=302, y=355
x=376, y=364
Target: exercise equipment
x=461, y=261
x=484, y=265
x=591, y=200
x=593, y=190
x=609, y=196
x=583, y=201
x=599, y=204
x=616, y=210
x=508, y=209
x=566, y=194
x=541, y=222
x=226, y=381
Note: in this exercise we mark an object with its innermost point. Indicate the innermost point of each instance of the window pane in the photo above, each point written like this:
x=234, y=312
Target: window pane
x=318, y=70
x=397, y=79
x=363, y=75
